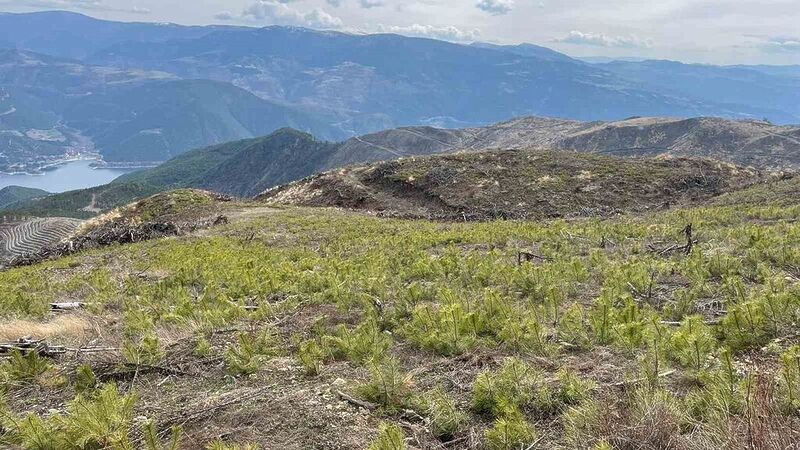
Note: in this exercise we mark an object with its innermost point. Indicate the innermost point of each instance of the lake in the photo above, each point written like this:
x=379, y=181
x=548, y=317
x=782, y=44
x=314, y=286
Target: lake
x=67, y=177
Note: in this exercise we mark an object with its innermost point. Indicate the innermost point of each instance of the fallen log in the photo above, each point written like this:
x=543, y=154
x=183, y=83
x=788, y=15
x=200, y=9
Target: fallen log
x=27, y=345
x=66, y=306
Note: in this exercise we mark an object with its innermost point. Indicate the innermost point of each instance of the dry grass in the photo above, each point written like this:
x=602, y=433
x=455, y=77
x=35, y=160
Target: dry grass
x=71, y=327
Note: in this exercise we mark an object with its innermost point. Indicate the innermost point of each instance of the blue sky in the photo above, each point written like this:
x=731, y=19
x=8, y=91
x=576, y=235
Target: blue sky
x=708, y=31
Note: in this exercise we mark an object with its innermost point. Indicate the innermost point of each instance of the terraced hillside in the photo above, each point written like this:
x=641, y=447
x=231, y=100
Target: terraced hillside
x=32, y=235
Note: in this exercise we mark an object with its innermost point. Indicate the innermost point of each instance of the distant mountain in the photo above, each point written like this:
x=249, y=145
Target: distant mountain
x=732, y=86
x=144, y=92
x=389, y=80
x=13, y=194
x=247, y=167
x=50, y=106
x=71, y=35
x=786, y=71
x=528, y=50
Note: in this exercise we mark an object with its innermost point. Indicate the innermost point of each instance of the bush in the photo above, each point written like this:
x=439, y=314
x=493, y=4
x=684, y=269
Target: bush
x=515, y=385
x=145, y=351
x=789, y=380
x=510, y=432
x=102, y=420
x=692, y=343
x=446, y=419
x=388, y=385
x=251, y=351
x=363, y=344
x=572, y=389
x=25, y=367
x=85, y=379
x=311, y=355
x=390, y=437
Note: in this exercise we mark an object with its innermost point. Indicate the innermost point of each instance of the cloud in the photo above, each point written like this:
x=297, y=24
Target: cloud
x=603, y=40
x=279, y=12
x=86, y=5
x=496, y=7
x=449, y=33
x=782, y=44
x=224, y=15
x=367, y=4
x=334, y=3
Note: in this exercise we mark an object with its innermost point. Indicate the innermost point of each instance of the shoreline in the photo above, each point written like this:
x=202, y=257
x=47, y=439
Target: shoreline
x=96, y=163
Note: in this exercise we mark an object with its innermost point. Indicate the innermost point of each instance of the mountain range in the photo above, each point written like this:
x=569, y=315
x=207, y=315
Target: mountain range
x=248, y=167
x=144, y=92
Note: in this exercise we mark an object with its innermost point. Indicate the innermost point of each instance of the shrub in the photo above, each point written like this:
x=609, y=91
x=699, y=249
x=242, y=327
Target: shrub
x=447, y=330
x=515, y=385
x=390, y=437
x=445, y=417
x=587, y=425
x=510, y=432
x=311, y=355
x=745, y=325
x=101, y=420
x=251, y=351
x=789, y=380
x=388, y=385
x=361, y=345
x=25, y=367
x=85, y=379
x=145, y=351
x=572, y=389
x=152, y=441
x=202, y=348
x=692, y=343
x=572, y=329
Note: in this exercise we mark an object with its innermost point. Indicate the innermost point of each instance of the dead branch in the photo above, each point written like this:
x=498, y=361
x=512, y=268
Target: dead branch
x=352, y=400
x=639, y=380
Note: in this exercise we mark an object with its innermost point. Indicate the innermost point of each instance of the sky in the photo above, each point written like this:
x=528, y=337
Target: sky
x=702, y=31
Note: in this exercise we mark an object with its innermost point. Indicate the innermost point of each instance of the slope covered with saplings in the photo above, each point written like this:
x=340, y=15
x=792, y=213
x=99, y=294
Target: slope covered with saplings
x=517, y=185
x=295, y=328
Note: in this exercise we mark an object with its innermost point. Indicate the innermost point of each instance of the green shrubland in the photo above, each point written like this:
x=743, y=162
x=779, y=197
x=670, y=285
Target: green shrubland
x=599, y=337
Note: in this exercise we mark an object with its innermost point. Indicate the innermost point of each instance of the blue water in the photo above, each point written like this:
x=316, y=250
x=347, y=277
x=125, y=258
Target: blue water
x=68, y=177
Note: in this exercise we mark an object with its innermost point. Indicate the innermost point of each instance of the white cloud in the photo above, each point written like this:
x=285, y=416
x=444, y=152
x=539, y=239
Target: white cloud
x=334, y=3
x=604, y=40
x=782, y=44
x=496, y=7
x=448, y=33
x=279, y=12
x=224, y=15
x=367, y=4
x=86, y=5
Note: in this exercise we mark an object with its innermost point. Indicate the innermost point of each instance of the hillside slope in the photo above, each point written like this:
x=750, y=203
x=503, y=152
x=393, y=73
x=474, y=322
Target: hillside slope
x=13, y=194
x=247, y=167
x=516, y=185
x=755, y=143
x=314, y=328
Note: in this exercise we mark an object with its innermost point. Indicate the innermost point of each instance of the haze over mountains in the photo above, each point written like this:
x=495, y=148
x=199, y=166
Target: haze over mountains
x=143, y=93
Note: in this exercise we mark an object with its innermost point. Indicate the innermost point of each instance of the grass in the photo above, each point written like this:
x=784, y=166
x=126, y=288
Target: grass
x=599, y=341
